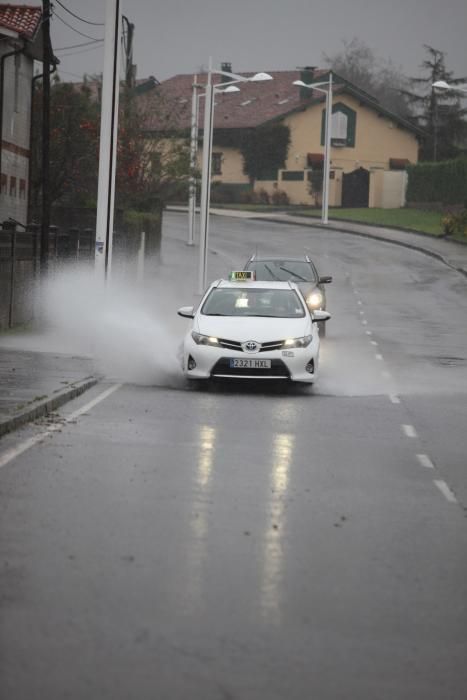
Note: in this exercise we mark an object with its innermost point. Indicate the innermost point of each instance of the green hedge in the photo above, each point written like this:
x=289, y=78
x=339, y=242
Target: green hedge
x=444, y=182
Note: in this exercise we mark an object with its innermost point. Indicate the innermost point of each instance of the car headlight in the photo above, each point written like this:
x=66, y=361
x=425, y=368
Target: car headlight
x=298, y=342
x=315, y=299
x=204, y=339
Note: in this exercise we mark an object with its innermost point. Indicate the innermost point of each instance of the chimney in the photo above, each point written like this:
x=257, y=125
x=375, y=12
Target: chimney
x=227, y=67
x=307, y=74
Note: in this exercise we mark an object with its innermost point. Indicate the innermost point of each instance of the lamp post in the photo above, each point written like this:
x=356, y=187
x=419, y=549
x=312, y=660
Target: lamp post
x=193, y=149
x=208, y=130
x=327, y=140
x=443, y=85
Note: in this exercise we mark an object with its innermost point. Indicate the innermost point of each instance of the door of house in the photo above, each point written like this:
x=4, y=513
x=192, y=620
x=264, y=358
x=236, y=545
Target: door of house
x=356, y=188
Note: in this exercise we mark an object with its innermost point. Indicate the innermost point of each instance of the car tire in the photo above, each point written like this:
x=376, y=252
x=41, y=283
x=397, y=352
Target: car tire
x=322, y=328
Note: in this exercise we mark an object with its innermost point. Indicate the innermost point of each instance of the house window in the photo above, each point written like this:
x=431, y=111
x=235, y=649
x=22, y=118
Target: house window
x=293, y=175
x=22, y=189
x=343, y=125
x=12, y=187
x=339, y=126
x=217, y=163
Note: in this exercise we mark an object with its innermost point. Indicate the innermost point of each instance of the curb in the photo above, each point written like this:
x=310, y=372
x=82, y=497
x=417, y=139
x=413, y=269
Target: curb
x=42, y=408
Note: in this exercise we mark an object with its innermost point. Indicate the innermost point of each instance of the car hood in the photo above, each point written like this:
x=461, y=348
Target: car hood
x=253, y=328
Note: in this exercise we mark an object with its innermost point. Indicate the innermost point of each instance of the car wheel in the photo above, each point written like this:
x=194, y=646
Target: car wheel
x=322, y=328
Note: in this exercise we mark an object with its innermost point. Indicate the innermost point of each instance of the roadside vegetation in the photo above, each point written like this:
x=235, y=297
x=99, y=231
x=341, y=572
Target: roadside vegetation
x=434, y=223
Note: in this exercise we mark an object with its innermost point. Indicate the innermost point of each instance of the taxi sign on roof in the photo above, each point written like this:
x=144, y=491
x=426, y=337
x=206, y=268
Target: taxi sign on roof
x=242, y=276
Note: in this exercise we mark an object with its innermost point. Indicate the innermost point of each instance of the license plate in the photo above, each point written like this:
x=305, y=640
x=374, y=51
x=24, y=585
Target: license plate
x=250, y=363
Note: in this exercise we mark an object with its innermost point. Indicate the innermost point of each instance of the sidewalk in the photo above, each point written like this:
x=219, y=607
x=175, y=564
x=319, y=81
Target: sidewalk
x=32, y=384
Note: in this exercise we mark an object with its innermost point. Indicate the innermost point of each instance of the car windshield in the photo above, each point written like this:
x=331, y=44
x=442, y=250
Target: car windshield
x=275, y=303
x=283, y=270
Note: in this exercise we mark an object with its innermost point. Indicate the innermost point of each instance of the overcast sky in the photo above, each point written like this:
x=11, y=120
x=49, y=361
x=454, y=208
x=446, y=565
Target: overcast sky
x=178, y=36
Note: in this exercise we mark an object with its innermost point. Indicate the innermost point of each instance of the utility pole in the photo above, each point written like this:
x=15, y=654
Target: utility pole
x=46, y=59
x=108, y=140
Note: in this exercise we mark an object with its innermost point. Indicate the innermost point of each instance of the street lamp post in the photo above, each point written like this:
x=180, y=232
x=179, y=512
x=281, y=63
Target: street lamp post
x=327, y=140
x=443, y=85
x=193, y=150
x=208, y=130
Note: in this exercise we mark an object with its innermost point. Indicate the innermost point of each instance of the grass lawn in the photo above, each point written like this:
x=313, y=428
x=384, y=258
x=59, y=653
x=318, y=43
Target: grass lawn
x=412, y=219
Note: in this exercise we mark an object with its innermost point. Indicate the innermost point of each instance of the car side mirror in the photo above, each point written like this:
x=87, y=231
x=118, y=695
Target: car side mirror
x=320, y=316
x=325, y=280
x=186, y=312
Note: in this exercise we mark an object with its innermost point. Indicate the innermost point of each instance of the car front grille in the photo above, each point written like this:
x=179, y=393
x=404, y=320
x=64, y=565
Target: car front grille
x=264, y=347
x=222, y=368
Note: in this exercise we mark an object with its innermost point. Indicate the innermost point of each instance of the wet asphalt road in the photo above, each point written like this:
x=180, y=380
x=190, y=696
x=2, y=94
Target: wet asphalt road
x=251, y=543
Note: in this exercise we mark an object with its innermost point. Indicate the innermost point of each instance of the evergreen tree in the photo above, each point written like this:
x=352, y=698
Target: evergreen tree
x=439, y=112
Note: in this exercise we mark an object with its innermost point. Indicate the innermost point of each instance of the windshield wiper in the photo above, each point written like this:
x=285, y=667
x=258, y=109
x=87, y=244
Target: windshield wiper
x=294, y=274
x=272, y=273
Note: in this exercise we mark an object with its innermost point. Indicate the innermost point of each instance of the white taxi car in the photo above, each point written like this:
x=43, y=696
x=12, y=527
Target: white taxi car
x=243, y=329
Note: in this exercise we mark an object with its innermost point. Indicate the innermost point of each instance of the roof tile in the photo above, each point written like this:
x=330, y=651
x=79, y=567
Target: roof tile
x=22, y=19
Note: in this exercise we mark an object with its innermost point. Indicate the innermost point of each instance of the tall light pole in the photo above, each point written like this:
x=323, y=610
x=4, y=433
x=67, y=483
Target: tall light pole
x=327, y=139
x=193, y=151
x=207, y=157
x=443, y=85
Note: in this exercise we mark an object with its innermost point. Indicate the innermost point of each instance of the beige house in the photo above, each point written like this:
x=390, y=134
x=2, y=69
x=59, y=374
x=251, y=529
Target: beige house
x=370, y=146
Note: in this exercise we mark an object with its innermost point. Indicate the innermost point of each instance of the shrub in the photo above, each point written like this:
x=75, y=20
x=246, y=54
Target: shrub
x=279, y=197
x=263, y=197
x=455, y=223
x=444, y=182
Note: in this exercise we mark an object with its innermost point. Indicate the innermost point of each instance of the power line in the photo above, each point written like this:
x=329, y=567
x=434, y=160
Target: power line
x=75, y=53
x=73, y=28
x=77, y=46
x=96, y=24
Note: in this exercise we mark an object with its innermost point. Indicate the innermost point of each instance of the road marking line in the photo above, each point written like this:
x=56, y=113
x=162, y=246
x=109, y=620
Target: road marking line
x=373, y=342
x=446, y=491
x=369, y=332
x=425, y=461
x=87, y=407
x=14, y=452
x=364, y=322
x=359, y=302
x=362, y=313
x=394, y=398
x=378, y=356
x=410, y=431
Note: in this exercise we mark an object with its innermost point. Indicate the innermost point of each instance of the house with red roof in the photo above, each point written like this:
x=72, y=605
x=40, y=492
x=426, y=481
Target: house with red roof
x=370, y=146
x=20, y=46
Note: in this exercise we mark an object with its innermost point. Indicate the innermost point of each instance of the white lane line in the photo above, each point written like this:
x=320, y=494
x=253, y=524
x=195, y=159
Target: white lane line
x=87, y=407
x=378, y=356
x=364, y=322
x=425, y=461
x=373, y=342
x=362, y=313
x=446, y=491
x=369, y=332
x=393, y=398
x=410, y=431
x=359, y=302
x=14, y=452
